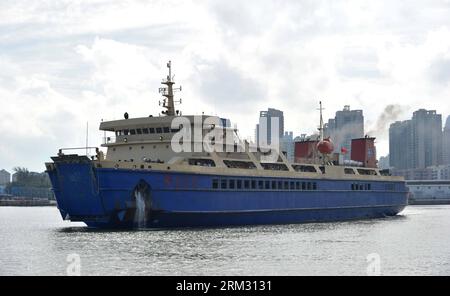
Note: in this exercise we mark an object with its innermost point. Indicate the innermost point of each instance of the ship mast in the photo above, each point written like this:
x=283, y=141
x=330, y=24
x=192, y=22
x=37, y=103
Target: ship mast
x=321, y=122
x=168, y=92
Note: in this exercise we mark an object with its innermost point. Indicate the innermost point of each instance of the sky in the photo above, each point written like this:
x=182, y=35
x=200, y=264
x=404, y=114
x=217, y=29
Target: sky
x=64, y=64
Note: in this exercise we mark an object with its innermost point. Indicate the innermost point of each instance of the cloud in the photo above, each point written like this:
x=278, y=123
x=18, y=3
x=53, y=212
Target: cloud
x=439, y=70
x=359, y=63
x=68, y=62
x=225, y=87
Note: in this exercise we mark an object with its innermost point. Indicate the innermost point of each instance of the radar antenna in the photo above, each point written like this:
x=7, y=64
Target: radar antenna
x=168, y=92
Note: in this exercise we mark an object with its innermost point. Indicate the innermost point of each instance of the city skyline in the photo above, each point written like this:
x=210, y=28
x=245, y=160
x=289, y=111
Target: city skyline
x=297, y=134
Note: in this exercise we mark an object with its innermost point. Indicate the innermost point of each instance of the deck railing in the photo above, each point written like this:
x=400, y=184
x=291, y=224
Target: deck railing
x=87, y=149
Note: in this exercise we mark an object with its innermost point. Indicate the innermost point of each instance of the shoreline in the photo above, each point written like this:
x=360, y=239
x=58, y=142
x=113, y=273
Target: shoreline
x=425, y=202
x=27, y=203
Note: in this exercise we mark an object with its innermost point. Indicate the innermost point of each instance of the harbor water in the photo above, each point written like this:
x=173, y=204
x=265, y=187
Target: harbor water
x=35, y=241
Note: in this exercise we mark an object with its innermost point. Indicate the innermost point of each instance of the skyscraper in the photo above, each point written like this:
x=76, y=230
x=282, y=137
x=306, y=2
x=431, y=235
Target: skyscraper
x=427, y=129
x=5, y=177
x=446, y=142
x=268, y=115
x=347, y=125
x=401, y=148
x=416, y=143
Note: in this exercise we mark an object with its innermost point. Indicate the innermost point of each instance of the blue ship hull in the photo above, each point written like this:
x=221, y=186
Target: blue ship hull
x=109, y=198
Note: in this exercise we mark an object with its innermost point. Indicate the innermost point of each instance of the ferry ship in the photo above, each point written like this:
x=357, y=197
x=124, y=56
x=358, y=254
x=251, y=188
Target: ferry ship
x=143, y=182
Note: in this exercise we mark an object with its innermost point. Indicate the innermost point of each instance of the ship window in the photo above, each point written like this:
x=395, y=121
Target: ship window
x=274, y=184
x=349, y=171
x=158, y=130
x=215, y=183
x=292, y=187
x=353, y=186
x=314, y=186
x=286, y=185
x=145, y=130
x=297, y=185
x=202, y=162
x=280, y=184
x=166, y=129
x=267, y=183
x=303, y=185
x=309, y=187
x=139, y=131
x=239, y=184
x=223, y=184
x=305, y=168
x=322, y=169
x=231, y=184
x=260, y=184
x=361, y=187
x=151, y=130
x=175, y=130
x=274, y=166
x=236, y=164
x=367, y=172
x=132, y=132
x=253, y=184
x=126, y=132
x=247, y=184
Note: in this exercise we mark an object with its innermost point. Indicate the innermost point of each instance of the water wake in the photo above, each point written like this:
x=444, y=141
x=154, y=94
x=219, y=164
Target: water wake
x=140, y=217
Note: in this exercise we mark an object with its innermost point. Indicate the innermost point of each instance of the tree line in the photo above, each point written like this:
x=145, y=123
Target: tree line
x=24, y=178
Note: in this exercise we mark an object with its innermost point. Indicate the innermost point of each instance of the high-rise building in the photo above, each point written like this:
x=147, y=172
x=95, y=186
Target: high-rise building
x=268, y=115
x=5, y=177
x=446, y=143
x=416, y=143
x=346, y=126
x=288, y=145
x=401, y=145
x=427, y=128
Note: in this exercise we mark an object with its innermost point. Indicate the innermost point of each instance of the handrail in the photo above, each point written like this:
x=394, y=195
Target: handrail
x=60, y=151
